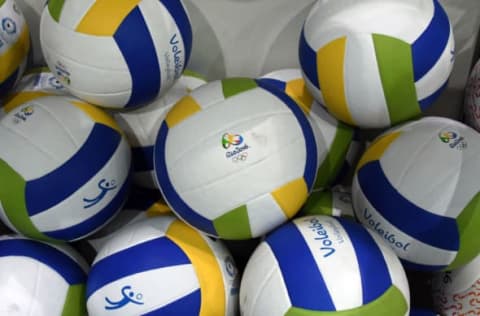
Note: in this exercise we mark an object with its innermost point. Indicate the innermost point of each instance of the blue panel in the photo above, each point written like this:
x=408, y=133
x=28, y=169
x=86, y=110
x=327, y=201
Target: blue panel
x=281, y=85
x=135, y=42
x=420, y=267
x=65, y=266
x=91, y=224
x=437, y=231
x=8, y=84
x=177, y=11
x=308, y=60
x=422, y=312
x=187, y=305
x=43, y=193
x=304, y=282
x=374, y=272
x=171, y=196
x=310, y=170
x=431, y=44
x=142, y=158
x=153, y=254
x=425, y=103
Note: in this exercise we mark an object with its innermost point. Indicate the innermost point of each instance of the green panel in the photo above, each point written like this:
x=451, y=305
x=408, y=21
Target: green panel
x=395, y=64
x=392, y=302
x=55, y=8
x=469, y=227
x=75, y=302
x=335, y=158
x=12, y=197
x=193, y=74
x=234, y=224
x=233, y=86
x=2, y=2
x=318, y=203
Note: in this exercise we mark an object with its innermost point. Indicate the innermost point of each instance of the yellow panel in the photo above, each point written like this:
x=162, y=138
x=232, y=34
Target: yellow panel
x=105, y=16
x=17, y=99
x=13, y=57
x=158, y=208
x=298, y=90
x=97, y=115
x=206, y=267
x=330, y=67
x=184, y=108
x=291, y=196
x=376, y=150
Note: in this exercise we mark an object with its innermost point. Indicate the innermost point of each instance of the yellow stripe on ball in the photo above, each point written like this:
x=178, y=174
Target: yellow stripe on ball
x=291, y=196
x=376, y=150
x=298, y=91
x=13, y=57
x=97, y=115
x=185, y=108
x=20, y=98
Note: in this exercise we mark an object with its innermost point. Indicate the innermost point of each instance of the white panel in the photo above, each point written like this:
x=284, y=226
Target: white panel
x=73, y=12
x=264, y=213
x=342, y=203
x=4, y=218
x=285, y=75
x=209, y=94
x=363, y=85
x=416, y=251
x=461, y=278
x=157, y=288
x=332, y=250
x=262, y=290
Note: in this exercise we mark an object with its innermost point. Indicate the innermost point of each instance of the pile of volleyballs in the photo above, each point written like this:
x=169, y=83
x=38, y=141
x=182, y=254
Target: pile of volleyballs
x=235, y=159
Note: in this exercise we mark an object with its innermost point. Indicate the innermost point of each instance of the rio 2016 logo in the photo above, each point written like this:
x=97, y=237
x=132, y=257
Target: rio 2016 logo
x=235, y=146
x=231, y=140
x=23, y=114
x=128, y=296
x=453, y=139
x=104, y=186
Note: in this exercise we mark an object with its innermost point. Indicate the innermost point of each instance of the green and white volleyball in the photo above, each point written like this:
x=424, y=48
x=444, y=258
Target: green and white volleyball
x=141, y=127
x=456, y=292
x=64, y=168
x=332, y=137
x=417, y=187
x=116, y=54
x=320, y=265
x=14, y=45
x=176, y=270
x=472, y=98
x=236, y=158
x=41, y=279
x=377, y=62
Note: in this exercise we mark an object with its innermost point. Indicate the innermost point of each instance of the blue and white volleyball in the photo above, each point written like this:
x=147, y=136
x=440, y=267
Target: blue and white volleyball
x=41, y=279
x=236, y=158
x=64, y=168
x=457, y=292
x=336, y=201
x=376, y=62
x=472, y=98
x=320, y=265
x=141, y=127
x=14, y=45
x=332, y=137
x=162, y=266
x=116, y=54
x=417, y=187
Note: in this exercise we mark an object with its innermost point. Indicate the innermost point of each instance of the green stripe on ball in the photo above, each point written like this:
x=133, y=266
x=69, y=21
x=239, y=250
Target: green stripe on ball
x=55, y=8
x=75, y=302
x=319, y=203
x=234, y=225
x=234, y=86
x=2, y=2
x=392, y=302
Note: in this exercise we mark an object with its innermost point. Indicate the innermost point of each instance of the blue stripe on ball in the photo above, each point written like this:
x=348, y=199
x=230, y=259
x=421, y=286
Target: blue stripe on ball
x=374, y=273
x=133, y=36
x=136, y=259
x=428, y=48
x=434, y=230
x=425, y=103
x=308, y=60
x=142, y=158
x=61, y=263
x=281, y=85
x=174, y=200
x=43, y=193
x=304, y=282
x=187, y=305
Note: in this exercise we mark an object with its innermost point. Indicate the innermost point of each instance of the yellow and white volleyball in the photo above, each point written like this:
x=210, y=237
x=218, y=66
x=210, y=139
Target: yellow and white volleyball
x=116, y=54
x=472, y=98
x=141, y=127
x=41, y=279
x=176, y=270
x=377, y=62
x=332, y=137
x=321, y=265
x=336, y=201
x=457, y=292
x=236, y=158
x=64, y=168
x=417, y=187
x=14, y=45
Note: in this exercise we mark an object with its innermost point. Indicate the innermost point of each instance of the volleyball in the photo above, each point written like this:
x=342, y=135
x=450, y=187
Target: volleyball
x=323, y=265
x=64, y=168
x=235, y=158
x=333, y=138
x=41, y=279
x=176, y=271
x=116, y=54
x=377, y=62
x=141, y=127
x=14, y=45
x=428, y=212
x=472, y=98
